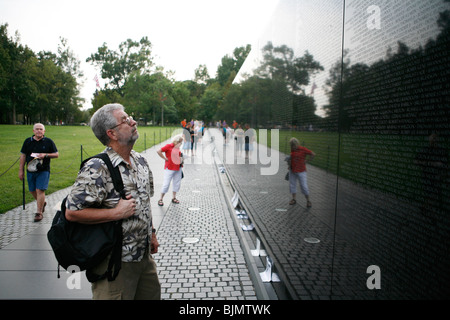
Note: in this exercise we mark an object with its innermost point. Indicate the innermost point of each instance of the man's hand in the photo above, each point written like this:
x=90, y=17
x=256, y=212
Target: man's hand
x=126, y=207
x=154, y=244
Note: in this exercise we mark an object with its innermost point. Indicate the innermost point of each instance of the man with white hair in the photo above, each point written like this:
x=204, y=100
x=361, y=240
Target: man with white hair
x=37, y=152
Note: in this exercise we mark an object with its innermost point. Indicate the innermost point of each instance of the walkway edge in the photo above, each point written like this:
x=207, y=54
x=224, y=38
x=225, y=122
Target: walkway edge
x=260, y=289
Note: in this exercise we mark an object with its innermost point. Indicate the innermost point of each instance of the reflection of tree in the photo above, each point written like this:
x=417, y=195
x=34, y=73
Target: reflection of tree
x=406, y=93
x=275, y=94
x=279, y=63
x=230, y=66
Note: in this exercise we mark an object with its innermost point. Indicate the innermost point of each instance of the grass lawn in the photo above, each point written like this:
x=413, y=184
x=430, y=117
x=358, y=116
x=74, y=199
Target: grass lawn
x=69, y=140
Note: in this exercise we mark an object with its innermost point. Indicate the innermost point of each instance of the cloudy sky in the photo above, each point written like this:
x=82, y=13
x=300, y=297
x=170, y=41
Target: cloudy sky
x=183, y=33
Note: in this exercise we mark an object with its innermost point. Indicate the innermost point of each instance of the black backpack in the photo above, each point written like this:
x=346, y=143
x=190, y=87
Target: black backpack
x=87, y=245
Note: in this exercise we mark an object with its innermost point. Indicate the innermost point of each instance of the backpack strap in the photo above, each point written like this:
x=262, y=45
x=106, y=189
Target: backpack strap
x=114, y=171
x=115, y=261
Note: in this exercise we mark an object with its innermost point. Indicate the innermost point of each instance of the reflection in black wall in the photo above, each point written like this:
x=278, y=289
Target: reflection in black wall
x=388, y=108
x=367, y=84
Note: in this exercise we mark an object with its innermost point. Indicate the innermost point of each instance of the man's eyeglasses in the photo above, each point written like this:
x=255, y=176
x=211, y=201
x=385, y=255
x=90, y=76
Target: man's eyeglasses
x=126, y=120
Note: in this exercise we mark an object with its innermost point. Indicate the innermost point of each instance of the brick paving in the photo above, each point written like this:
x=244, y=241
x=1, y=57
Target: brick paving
x=214, y=268
x=18, y=222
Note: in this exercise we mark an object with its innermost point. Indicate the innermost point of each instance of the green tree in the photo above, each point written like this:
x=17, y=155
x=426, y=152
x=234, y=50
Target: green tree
x=5, y=65
x=230, y=66
x=16, y=88
x=67, y=60
x=148, y=96
x=202, y=75
x=102, y=97
x=209, y=102
x=71, y=65
x=185, y=102
x=57, y=99
x=41, y=87
x=116, y=66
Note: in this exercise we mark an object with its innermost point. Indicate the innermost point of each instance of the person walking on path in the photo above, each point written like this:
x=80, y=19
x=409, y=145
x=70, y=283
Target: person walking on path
x=193, y=140
x=187, y=145
x=249, y=138
x=172, y=168
x=37, y=152
x=93, y=199
x=240, y=136
x=297, y=170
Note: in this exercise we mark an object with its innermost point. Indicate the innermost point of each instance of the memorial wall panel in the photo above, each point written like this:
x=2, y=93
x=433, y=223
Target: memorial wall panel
x=365, y=85
x=394, y=108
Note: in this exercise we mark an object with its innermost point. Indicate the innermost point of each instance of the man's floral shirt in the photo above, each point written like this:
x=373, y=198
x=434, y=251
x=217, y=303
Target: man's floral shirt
x=94, y=188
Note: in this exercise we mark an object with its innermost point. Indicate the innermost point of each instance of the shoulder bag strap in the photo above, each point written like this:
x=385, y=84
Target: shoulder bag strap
x=114, y=171
x=115, y=261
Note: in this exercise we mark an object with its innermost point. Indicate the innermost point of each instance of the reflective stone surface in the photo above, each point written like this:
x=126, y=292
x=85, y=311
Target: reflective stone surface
x=365, y=85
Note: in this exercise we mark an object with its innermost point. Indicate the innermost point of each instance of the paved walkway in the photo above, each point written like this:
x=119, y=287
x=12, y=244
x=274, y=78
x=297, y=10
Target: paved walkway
x=199, y=257
x=208, y=251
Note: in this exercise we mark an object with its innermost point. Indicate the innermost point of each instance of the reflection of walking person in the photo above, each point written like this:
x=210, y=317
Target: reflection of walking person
x=249, y=137
x=297, y=170
x=37, y=149
x=433, y=161
x=172, y=168
x=239, y=140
